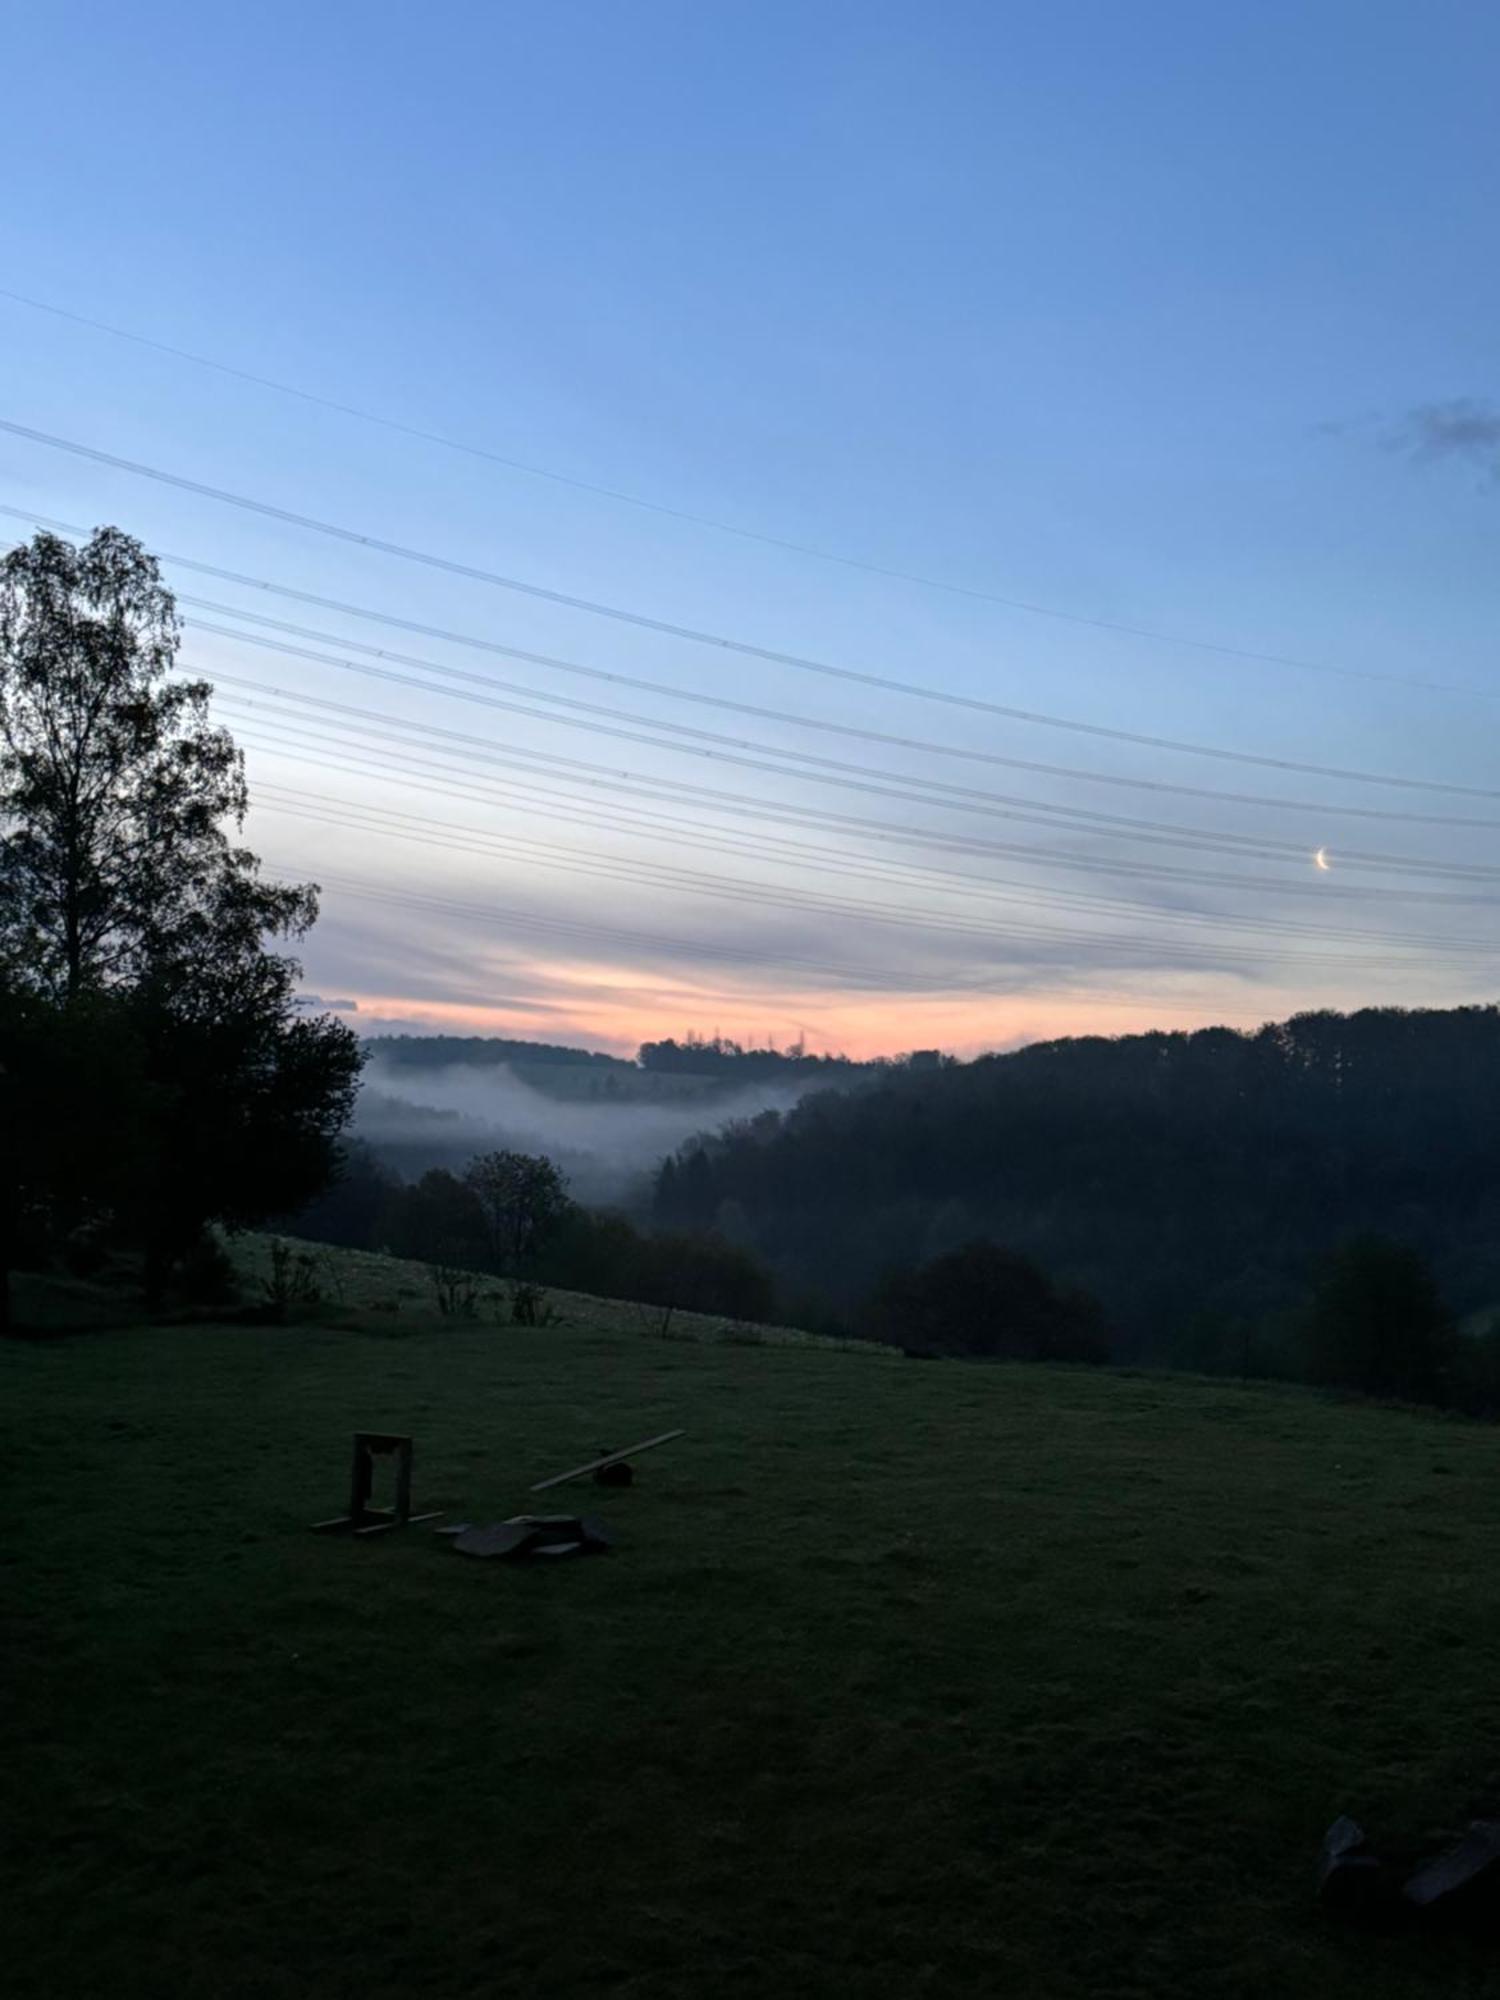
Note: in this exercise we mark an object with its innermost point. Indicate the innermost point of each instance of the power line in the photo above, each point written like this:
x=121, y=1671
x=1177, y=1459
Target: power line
x=408, y=827
x=475, y=840
x=513, y=920
x=744, y=648
x=834, y=771
x=444, y=834
x=617, y=494
x=378, y=762
x=1040, y=856
x=1317, y=807
x=1035, y=812
x=917, y=744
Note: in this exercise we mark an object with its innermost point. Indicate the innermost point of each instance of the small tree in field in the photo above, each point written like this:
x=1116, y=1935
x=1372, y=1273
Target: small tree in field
x=522, y=1198
x=127, y=909
x=988, y=1302
x=1378, y=1323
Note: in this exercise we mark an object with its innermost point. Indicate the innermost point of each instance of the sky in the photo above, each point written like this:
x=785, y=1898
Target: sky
x=1094, y=410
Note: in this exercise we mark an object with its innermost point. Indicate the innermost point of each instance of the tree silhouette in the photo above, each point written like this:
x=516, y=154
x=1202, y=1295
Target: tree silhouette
x=1378, y=1323
x=522, y=1198
x=131, y=921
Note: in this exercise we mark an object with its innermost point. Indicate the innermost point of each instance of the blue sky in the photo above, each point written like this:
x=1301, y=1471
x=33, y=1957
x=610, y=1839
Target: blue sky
x=1159, y=316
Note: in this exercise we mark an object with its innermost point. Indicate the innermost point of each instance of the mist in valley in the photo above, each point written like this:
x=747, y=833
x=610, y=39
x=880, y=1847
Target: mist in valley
x=605, y=1135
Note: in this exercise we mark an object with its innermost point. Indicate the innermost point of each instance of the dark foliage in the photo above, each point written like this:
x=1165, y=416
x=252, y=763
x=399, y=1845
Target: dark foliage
x=248, y=1097
x=987, y=1302
x=521, y=1199
x=484, y=1052
x=718, y=1056
x=74, y=1098
x=292, y=1281
x=205, y=1275
x=352, y=1208
x=1378, y=1324
x=1191, y=1182
x=693, y=1273
x=438, y=1220
x=154, y=1073
x=732, y=1061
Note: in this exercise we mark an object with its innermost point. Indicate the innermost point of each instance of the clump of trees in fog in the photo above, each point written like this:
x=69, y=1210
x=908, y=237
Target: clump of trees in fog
x=155, y=1075
x=509, y=1214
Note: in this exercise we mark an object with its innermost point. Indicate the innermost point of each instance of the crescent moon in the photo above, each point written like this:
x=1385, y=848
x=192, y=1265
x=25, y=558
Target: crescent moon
x=1320, y=860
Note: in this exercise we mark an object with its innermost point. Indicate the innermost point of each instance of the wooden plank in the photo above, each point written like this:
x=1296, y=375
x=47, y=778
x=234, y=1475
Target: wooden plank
x=383, y=1527
x=614, y=1458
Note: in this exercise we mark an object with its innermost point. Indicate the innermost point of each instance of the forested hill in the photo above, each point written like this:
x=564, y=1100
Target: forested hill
x=713, y=1060
x=1176, y=1176
x=419, y=1052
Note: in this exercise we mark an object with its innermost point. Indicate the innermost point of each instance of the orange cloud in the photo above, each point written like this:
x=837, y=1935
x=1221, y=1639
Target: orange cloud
x=619, y=1008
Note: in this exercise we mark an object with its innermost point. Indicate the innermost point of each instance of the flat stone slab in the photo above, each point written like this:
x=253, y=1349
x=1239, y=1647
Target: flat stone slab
x=1459, y=1872
x=534, y=1535
x=501, y=1538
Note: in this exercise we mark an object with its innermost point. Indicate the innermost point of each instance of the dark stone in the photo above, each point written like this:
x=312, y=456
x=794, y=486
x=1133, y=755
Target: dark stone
x=533, y=1535
x=1466, y=1880
x=1350, y=1878
x=621, y=1473
x=501, y=1538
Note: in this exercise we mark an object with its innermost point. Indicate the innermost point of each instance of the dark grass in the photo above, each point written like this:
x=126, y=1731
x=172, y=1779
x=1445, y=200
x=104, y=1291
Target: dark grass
x=903, y=1678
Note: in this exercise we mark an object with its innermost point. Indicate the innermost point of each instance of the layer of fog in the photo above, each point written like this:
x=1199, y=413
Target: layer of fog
x=608, y=1147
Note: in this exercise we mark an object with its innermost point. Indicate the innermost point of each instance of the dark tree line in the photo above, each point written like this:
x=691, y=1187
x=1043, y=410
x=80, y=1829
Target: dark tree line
x=485, y=1052
x=155, y=1075
x=694, y=1055
x=1193, y=1183
x=718, y=1055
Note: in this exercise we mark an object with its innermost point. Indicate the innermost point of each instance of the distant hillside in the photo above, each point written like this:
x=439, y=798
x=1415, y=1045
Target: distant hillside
x=659, y=1069
x=435, y=1051
x=1176, y=1176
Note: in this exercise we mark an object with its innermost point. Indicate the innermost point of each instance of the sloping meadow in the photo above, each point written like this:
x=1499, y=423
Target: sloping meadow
x=899, y=1676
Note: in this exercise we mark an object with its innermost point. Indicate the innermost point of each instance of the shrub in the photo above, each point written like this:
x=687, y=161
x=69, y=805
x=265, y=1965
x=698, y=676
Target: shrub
x=528, y=1305
x=987, y=1302
x=1379, y=1325
x=292, y=1280
x=457, y=1291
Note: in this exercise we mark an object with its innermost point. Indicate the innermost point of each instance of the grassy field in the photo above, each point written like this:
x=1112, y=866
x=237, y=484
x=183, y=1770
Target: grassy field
x=903, y=1678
